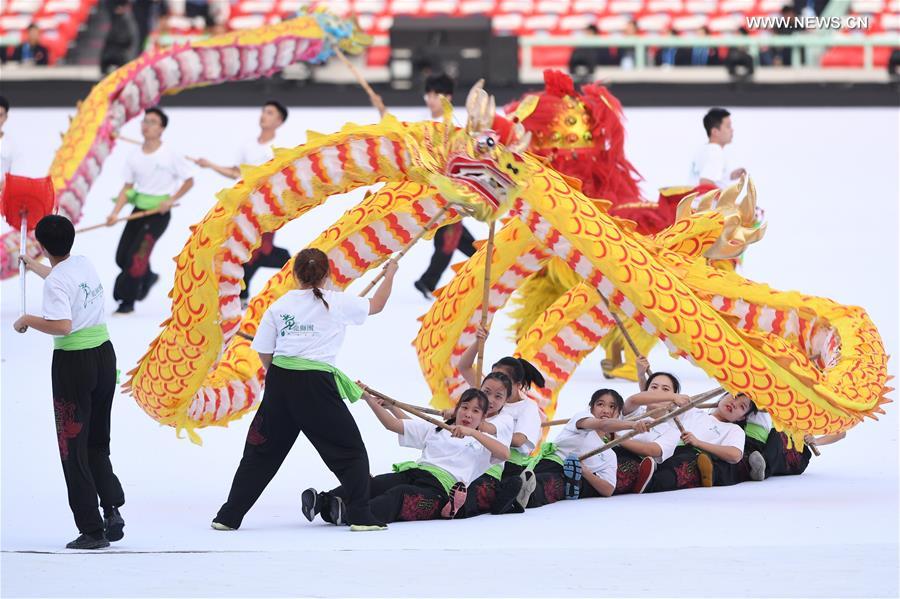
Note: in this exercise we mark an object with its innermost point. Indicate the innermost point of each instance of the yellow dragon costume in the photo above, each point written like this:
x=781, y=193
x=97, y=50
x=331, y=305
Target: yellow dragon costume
x=815, y=365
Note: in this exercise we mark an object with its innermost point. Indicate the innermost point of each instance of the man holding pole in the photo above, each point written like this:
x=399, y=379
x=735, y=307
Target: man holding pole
x=155, y=178
x=257, y=151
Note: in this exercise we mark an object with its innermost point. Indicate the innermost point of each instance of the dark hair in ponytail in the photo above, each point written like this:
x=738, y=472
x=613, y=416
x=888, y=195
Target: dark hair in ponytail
x=468, y=395
x=504, y=380
x=524, y=373
x=310, y=267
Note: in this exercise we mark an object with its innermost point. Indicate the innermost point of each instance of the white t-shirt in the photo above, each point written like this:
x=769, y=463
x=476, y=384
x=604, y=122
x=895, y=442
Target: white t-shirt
x=465, y=459
x=579, y=441
x=253, y=152
x=709, y=429
x=665, y=434
x=762, y=419
x=505, y=426
x=72, y=291
x=710, y=163
x=159, y=173
x=526, y=419
x=298, y=324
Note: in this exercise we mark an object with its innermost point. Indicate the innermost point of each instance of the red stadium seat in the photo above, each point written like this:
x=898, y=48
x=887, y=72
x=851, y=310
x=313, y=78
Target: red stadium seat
x=544, y=57
x=507, y=23
x=540, y=24
x=575, y=23
x=378, y=56
x=726, y=23
x=440, y=7
x=867, y=7
x=613, y=23
x=669, y=6
x=701, y=6
x=654, y=24
x=369, y=7
x=771, y=6
x=477, y=7
x=890, y=22
x=519, y=6
x=630, y=7
x=850, y=56
x=589, y=6
x=736, y=6
x=689, y=23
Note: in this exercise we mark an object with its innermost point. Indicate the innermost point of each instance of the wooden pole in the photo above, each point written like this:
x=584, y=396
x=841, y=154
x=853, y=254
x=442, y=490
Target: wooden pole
x=23, y=247
x=405, y=407
x=373, y=97
x=485, y=298
x=131, y=216
x=621, y=326
x=695, y=401
x=631, y=417
x=406, y=248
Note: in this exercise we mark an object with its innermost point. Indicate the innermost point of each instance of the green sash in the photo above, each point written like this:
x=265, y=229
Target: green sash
x=346, y=388
x=144, y=201
x=445, y=478
x=88, y=338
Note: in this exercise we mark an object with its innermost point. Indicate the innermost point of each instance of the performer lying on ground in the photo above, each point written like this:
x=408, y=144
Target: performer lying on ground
x=434, y=486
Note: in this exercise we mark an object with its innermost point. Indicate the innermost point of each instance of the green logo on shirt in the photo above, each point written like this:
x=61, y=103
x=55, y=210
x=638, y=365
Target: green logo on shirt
x=288, y=324
x=90, y=295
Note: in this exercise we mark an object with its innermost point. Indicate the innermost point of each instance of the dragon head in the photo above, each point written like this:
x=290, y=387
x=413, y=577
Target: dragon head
x=742, y=221
x=483, y=170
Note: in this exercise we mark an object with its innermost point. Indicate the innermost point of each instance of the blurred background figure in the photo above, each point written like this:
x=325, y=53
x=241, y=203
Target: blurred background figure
x=121, y=43
x=31, y=51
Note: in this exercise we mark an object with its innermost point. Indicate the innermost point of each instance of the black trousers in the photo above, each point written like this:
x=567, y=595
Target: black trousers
x=550, y=486
x=402, y=496
x=681, y=472
x=267, y=255
x=133, y=255
x=626, y=469
x=781, y=460
x=295, y=401
x=84, y=383
x=447, y=239
x=486, y=493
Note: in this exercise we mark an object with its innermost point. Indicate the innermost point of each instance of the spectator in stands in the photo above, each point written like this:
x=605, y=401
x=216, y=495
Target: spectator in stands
x=784, y=55
x=704, y=56
x=120, y=45
x=6, y=151
x=453, y=237
x=31, y=51
x=710, y=165
x=625, y=56
x=145, y=15
x=585, y=59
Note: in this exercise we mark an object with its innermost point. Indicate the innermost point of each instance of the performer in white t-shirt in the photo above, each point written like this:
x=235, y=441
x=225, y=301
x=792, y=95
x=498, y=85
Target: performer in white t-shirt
x=709, y=167
x=516, y=481
x=254, y=152
x=298, y=339
x=712, y=443
x=558, y=469
x=155, y=178
x=83, y=378
x=434, y=486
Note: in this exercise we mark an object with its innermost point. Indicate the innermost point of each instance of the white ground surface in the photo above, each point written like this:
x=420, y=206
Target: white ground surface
x=828, y=181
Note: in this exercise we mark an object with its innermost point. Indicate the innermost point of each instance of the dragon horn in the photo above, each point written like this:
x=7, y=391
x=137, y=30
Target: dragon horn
x=685, y=208
x=472, y=103
x=706, y=201
x=748, y=206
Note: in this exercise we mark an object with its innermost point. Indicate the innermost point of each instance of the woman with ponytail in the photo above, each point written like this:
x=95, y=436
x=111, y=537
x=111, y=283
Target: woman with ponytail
x=298, y=339
x=516, y=482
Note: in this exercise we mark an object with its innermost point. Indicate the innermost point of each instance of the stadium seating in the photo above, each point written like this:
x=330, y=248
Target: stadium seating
x=58, y=21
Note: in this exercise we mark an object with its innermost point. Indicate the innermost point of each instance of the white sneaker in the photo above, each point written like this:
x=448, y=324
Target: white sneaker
x=757, y=466
x=220, y=526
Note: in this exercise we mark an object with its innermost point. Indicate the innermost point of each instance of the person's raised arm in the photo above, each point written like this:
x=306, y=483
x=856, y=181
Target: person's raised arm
x=647, y=398
x=611, y=425
x=232, y=172
x=38, y=268
x=388, y=420
x=467, y=359
x=379, y=300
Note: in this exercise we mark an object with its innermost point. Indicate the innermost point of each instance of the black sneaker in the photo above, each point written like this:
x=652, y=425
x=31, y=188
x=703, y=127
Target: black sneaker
x=125, y=308
x=507, y=494
x=152, y=278
x=423, y=289
x=310, y=504
x=113, y=524
x=332, y=509
x=88, y=541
